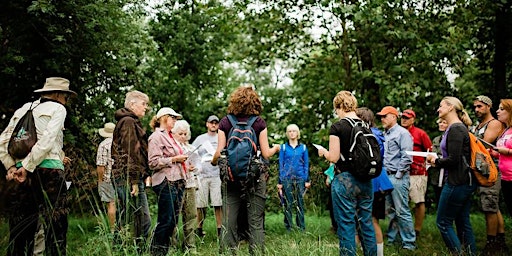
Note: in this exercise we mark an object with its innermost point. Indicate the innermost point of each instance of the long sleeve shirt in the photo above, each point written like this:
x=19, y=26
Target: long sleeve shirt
x=398, y=140
x=293, y=162
x=161, y=148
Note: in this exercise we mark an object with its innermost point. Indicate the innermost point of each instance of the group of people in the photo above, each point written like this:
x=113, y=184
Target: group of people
x=409, y=166
x=186, y=176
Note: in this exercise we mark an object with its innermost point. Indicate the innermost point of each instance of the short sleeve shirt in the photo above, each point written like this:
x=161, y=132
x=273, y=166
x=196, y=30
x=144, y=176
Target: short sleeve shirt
x=259, y=125
x=342, y=129
x=103, y=158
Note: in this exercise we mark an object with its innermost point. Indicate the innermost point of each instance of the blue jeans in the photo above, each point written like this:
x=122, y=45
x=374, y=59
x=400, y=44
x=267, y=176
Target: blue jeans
x=454, y=206
x=170, y=196
x=353, y=199
x=400, y=217
x=133, y=209
x=293, y=193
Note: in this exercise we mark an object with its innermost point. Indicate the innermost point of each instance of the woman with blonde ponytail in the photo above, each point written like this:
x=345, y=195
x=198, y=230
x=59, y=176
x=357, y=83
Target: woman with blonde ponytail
x=459, y=185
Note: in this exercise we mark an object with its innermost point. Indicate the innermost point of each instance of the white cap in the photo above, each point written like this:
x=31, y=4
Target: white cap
x=167, y=111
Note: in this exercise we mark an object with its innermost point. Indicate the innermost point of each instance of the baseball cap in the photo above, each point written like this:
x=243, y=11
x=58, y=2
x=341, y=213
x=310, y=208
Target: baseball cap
x=388, y=110
x=212, y=118
x=167, y=111
x=409, y=113
x=484, y=99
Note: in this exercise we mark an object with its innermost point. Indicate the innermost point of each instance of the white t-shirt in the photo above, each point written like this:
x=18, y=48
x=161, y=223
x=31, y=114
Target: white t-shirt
x=208, y=145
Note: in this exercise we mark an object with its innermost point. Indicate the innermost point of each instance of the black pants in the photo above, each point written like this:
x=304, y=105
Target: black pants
x=45, y=190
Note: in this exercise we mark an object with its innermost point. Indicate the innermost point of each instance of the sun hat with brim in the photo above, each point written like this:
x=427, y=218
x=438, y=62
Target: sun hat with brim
x=107, y=131
x=56, y=84
x=167, y=111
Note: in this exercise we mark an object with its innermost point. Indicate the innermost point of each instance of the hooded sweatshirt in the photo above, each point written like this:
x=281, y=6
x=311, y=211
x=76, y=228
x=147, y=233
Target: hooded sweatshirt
x=129, y=149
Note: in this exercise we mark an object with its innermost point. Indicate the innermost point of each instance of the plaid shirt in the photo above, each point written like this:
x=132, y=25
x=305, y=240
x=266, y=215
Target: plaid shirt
x=103, y=158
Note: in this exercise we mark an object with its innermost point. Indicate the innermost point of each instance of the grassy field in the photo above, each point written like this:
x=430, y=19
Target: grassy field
x=86, y=236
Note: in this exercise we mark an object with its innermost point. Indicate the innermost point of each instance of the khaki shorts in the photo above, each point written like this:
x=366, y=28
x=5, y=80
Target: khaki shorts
x=106, y=191
x=418, y=188
x=490, y=196
x=209, y=186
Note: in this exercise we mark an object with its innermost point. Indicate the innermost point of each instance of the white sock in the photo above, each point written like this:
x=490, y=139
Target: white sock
x=380, y=249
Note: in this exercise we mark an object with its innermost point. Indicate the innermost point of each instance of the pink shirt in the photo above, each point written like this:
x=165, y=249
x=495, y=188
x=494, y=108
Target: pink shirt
x=161, y=148
x=505, y=164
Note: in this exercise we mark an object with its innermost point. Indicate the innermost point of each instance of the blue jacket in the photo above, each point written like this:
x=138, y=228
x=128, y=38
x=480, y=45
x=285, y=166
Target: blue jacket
x=293, y=162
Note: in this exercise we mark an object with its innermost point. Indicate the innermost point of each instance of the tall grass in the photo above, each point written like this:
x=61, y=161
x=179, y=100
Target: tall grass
x=88, y=235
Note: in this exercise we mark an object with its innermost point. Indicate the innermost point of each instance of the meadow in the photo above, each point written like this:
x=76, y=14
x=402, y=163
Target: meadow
x=87, y=236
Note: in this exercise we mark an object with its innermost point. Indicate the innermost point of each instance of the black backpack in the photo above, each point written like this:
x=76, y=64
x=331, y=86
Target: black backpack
x=24, y=135
x=241, y=148
x=364, y=159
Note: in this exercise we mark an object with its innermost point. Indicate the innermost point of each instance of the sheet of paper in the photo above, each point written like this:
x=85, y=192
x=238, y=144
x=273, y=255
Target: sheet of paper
x=420, y=153
x=318, y=146
x=487, y=144
x=209, y=148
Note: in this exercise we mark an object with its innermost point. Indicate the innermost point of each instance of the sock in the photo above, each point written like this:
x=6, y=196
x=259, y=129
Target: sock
x=491, y=239
x=500, y=237
x=380, y=249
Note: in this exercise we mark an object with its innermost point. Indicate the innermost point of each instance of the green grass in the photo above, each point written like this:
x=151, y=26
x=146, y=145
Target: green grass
x=87, y=236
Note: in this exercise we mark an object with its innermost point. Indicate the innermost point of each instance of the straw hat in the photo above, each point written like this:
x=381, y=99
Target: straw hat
x=107, y=131
x=56, y=84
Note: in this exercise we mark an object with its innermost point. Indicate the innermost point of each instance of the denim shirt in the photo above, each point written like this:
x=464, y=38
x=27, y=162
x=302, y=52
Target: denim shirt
x=398, y=140
x=293, y=162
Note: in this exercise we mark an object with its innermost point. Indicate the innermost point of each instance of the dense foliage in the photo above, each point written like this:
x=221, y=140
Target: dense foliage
x=190, y=54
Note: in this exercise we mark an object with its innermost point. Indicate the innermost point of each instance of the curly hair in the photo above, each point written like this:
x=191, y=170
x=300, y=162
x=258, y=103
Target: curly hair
x=345, y=101
x=244, y=101
x=507, y=106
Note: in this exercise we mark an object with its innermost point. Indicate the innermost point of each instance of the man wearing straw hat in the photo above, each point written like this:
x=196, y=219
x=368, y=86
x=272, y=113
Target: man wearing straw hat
x=40, y=174
x=104, y=168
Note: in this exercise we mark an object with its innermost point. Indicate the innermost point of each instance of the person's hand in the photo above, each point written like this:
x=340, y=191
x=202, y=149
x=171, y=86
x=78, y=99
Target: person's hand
x=10, y=173
x=321, y=152
x=276, y=147
x=327, y=181
x=20, y=175
x=135, y=190
x=66, y=160
x=180, y=158
x=431, y=159
x=191, y=168
x=307, y=184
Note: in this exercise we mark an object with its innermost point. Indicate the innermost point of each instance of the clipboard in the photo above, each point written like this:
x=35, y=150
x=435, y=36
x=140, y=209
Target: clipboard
x=487, y=144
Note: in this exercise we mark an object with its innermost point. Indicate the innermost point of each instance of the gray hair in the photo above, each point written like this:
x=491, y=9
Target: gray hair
x=135, y=96
x=182, y=125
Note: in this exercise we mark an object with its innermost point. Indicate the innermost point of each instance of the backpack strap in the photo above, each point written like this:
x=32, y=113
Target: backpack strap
x=232, y=119
x=283, y=147
x=251, y=120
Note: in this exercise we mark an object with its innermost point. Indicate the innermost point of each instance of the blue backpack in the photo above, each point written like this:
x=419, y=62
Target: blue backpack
x=242, y=147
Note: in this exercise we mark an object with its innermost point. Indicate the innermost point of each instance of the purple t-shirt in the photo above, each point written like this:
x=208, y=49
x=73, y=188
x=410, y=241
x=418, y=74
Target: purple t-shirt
x=258, y=125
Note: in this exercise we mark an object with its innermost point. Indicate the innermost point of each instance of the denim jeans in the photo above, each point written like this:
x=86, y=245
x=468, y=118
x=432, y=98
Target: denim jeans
x=454, y=206
x=133, y=209
x=352, y=200
x=170, y=196
x=293, y=193
x=254, y=202
x=399, y=213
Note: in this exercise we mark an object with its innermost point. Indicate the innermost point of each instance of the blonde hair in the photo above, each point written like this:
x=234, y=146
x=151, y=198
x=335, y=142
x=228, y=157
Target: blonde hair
x=462, y=114
x=345, y=101
x=134, y=96
x=182, y=125
x=155, y=122
x=295, y=127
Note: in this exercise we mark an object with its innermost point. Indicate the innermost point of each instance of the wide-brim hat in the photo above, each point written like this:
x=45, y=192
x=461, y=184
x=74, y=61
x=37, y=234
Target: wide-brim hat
x=56, y=84
x=107, y=131
x=167, y=111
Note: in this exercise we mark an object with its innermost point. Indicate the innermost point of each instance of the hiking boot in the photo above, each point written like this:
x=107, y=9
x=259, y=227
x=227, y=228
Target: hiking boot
x=200, y=232
x=490, y=249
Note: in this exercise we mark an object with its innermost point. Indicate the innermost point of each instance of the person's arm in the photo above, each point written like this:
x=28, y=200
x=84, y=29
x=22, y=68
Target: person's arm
x=281, y=166
x=305, y=156
x=494, y=129
x=406, y=144
x=333, y=154
x=221, y=144
x=266, y=150
x=101, y=171
x=454, y=147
